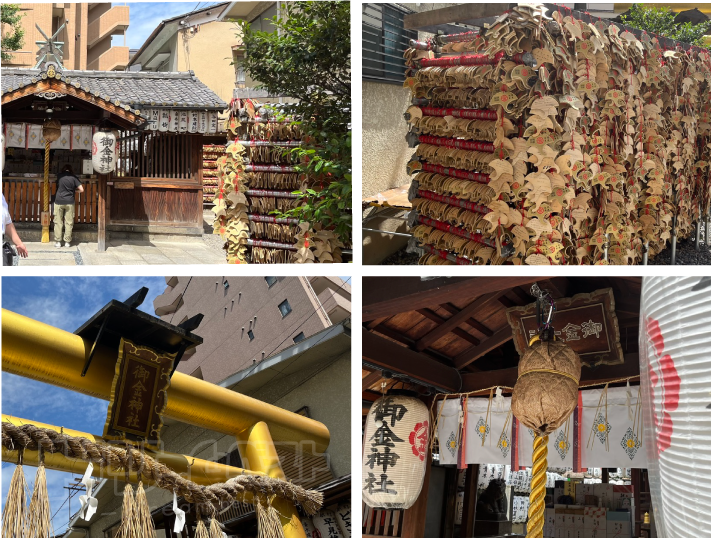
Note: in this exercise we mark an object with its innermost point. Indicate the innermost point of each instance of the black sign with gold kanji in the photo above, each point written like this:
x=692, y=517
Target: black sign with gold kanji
x=138, y=394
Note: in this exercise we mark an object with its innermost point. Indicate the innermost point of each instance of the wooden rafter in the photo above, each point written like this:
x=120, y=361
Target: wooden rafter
x=474, y=324
x=558, y=287
x=388, y=296
x=371, y=378
x=388, y=355
x=457, y=319
x=468, y=356
x=410, y=343
x=430, y=314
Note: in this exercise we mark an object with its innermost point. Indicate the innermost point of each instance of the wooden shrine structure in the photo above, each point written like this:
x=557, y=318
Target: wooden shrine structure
x=162, y=121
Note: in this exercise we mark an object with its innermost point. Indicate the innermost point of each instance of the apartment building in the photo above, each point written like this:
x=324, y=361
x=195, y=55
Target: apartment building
x=87, y=35
x=302, y=324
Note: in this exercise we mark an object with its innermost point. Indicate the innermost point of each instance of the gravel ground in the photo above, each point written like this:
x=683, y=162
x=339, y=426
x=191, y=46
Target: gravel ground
x=685, y=255
x=213, y=241
x=401, y=258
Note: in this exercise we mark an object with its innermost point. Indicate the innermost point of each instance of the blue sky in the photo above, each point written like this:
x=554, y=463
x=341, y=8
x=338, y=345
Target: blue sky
x=146, y=16
x=66, y=303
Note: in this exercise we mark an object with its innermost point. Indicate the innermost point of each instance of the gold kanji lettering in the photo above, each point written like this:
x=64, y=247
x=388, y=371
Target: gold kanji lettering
x=139, y=372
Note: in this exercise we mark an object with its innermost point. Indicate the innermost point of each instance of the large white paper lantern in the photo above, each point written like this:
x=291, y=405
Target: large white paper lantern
x=103, y=152
x=675, y=367
x=395, y=451
x=308, y=526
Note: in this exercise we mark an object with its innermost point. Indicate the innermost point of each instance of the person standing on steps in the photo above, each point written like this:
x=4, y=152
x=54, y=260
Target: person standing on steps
x=67, y=187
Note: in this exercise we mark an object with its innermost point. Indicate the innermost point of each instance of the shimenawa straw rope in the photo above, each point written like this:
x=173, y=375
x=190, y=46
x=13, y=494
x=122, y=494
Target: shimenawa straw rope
x=208, y=498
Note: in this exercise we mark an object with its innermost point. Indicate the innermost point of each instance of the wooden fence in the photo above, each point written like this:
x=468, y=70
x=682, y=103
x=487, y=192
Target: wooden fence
x=24, y=200
x=379, y=522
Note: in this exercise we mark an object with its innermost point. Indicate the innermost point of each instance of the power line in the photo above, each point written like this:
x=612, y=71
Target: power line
x=292, y=332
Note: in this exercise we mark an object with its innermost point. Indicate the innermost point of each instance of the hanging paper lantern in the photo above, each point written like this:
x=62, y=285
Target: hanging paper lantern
x=103, y=152
x=546, y=391
x=675, y=368
x=395, y=453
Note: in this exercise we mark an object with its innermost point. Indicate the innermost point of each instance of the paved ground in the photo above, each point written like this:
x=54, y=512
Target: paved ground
x=125, y=252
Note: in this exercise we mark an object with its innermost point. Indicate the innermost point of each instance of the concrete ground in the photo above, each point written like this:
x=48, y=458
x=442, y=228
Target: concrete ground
x=124, y=252
x=199, y=250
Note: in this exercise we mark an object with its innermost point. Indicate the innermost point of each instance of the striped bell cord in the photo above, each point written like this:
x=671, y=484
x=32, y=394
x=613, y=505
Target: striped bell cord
x=473, y=145
x=461, y=232
x=467, y=113
x=455, y=173
x=454, y=201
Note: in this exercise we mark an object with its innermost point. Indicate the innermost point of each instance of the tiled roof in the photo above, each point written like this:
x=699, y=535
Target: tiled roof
x=137, y=89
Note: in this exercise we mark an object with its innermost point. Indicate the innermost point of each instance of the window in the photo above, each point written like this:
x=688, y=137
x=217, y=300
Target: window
x=271, y=280
x=384, y=42
x=284, y=308
x=299, y=337
x=251, y=335
x=226, y=284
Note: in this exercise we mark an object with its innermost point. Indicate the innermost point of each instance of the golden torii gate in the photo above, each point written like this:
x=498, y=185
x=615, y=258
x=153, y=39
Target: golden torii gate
x=44, y=353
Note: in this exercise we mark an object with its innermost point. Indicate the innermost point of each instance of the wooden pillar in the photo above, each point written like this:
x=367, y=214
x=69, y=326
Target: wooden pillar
x=450, y=503
x=103, y=190
x=413, y=525
x=470, y=497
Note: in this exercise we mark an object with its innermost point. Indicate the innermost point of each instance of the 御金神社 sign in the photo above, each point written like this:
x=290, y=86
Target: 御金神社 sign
x=138, y=394
x=586, y=322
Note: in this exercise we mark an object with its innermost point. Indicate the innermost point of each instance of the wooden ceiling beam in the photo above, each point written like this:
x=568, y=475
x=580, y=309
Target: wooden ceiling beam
x=373, y=324
x=457, y=319
x=468, y=356
x=371, y=378
x=429, y=314
x=558, y=287
x=474, y=324
x=388, y=296
x=388, y=355
x=507, y=376
x=410, y=343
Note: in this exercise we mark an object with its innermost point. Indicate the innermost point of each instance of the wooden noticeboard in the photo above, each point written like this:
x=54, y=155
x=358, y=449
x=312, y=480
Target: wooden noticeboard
x=586, y=322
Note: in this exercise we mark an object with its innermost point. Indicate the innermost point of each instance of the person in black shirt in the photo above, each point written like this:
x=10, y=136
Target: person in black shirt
x=67, y=187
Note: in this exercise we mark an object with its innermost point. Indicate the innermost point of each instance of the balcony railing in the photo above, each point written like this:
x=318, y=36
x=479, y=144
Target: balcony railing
x=111, y=22
x=112, y=59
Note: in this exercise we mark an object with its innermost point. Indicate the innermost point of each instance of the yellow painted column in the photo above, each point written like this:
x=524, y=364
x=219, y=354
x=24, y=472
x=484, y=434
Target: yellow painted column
x=45, y=196
x=258, y=453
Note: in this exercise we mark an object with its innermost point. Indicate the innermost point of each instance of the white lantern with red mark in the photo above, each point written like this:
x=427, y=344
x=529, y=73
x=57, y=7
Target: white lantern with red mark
x=103, y=152
x=395, y=451
x=675, y=368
